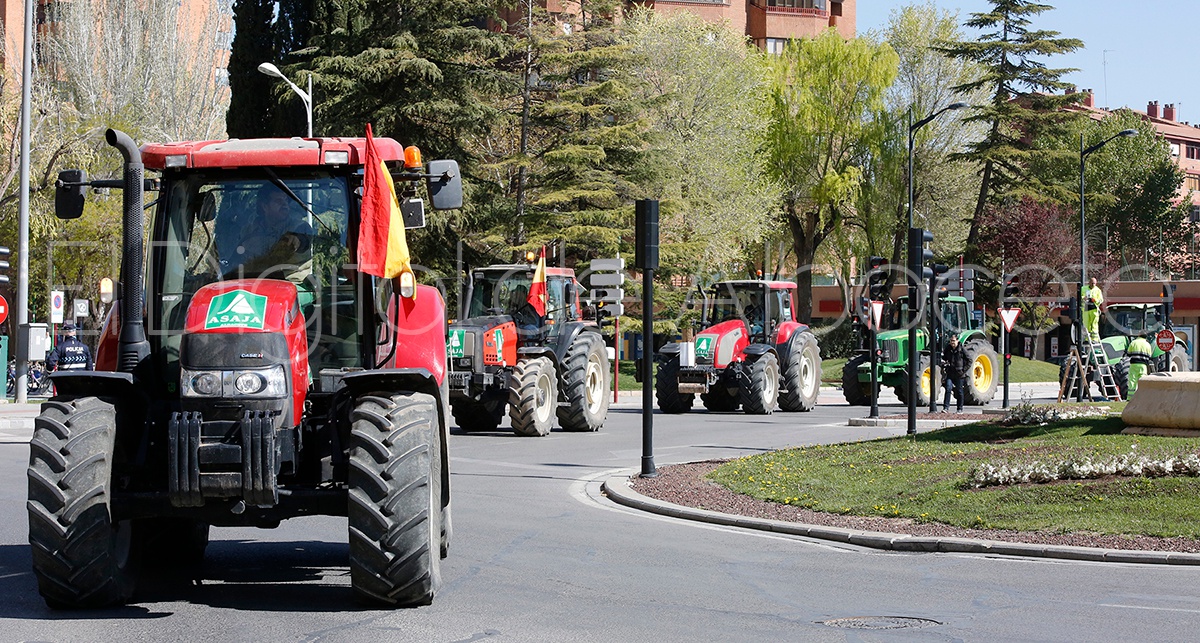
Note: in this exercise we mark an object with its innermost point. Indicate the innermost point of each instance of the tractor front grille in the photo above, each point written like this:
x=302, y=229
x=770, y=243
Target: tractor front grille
x=891, y=350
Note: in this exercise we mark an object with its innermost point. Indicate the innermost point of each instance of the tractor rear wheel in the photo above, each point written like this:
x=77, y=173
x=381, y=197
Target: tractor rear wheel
x=980, y=379
x=762, y=388
x=585, y=385
x=471, y=415
x=82, y=558
x=1120, y=371
x=532, y=397
x=856, y=393
x=666, y=388
x=923, y=388
x=394, y=504
x=801, y=374
x=1179, y=359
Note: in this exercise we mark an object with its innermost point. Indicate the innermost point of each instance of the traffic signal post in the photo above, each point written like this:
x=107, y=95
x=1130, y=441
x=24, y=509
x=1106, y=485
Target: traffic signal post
x=936, y=291
x=646, y=259
x=918, y=254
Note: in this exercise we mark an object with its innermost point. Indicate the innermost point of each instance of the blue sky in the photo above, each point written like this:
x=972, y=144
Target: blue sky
x=1152, y=46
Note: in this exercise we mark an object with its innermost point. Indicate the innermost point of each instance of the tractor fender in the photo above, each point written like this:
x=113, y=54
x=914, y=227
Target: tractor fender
x=567, y=334
x=531, y=352
x=755, y=351
x=420, y=380
x=95, y=383
x=783, y=335
x=669, y=350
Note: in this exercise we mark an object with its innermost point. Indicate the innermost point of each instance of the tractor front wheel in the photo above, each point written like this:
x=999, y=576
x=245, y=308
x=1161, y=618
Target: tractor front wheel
x=802, y=375
x=532, y=397
x=82, y=558
x=856, y=393
x=394, y=504
x=761, y=391
x=585, y=385
x=666, y=388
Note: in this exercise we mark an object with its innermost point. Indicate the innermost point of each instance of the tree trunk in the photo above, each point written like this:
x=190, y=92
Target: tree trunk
x=803, y=244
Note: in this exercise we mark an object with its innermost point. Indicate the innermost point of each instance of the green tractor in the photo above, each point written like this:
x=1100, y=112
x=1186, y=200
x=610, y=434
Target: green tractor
x=984, y=363
x=1118, y=326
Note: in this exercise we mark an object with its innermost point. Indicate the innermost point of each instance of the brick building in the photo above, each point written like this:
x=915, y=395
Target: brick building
x=771, y=23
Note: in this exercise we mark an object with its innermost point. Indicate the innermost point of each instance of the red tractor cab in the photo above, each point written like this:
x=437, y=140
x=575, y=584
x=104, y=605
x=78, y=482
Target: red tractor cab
x=751, y=354
x=249, y=373
x=504, y=354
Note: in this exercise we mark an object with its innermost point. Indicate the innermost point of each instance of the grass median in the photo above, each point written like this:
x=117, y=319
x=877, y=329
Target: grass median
x=952, y=476
x=1021, y=370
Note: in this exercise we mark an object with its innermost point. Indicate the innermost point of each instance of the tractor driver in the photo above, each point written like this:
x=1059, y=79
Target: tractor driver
x=526, y=318
x=278, y=237
x=754, y=313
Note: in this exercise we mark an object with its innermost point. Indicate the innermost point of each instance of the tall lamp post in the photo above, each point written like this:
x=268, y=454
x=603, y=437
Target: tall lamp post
x=1083, y=278
x=912, y=284
x=273, y=71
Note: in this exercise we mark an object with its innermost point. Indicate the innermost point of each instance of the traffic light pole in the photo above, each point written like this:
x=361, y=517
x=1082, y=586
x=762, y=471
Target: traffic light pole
x=934, y=343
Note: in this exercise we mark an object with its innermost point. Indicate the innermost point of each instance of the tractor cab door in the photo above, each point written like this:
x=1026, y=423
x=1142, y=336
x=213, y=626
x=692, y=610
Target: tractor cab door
x=955, y=317
x=779, y=309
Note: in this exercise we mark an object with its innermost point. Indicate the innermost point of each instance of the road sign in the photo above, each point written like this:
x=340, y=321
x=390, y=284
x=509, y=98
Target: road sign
x=608, y=265
x=1009, y=317
x=1165, y=340
x=58, y=302
x=607, y=279
x=81, y=308
x=614, y=295
x=3, y=309
x=876, y=313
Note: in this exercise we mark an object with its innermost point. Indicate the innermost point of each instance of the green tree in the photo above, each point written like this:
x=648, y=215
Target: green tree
x=825, y=115
x=704, y=88
x=1026, y=97
x=251, y=101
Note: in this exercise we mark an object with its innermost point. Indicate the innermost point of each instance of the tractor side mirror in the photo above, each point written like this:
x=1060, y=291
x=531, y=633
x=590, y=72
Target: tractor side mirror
x=68, y=194
x=445, y=185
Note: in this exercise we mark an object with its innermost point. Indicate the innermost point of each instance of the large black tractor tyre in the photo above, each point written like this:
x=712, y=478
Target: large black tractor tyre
x=719, y=400
x=801, y=375
x=761, y=390
x=856, y=393
x=923, y=384
x=1179, y=359
x=532, y=397
x=470, y=415
x=1120, y=371
x=584, y=383
x=82, y=558
x=394, y=504
x=981, y=379
x=666, y=389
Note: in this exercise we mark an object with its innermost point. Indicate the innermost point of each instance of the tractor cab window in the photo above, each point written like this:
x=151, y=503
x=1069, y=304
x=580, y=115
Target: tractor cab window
x=497, y=292
x=954, y=317
x=1129, y=321
x=785, y=305
x=746, y=304
x=556, y=306
x=254, y=224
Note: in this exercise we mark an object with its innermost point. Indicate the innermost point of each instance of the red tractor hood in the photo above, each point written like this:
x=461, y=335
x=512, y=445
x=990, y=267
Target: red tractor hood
x=723, y=343
x=246, y=306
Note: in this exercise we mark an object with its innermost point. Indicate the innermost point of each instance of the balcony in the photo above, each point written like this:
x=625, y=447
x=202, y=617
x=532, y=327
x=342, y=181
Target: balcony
x=794, y=11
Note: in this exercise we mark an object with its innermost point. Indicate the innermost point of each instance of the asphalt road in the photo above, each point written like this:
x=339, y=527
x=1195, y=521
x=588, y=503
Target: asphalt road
x=539, y=555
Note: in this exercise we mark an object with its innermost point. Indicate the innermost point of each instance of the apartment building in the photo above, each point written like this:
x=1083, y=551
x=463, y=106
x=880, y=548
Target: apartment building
x=771, y=23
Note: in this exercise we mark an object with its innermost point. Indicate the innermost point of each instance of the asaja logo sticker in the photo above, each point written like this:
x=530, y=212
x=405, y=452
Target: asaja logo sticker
x=236, y=309
x=498, y=337
x=703, y=346
x=456, y=346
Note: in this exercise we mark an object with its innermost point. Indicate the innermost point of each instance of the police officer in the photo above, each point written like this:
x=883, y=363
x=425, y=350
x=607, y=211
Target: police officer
x=70, y=354
x=1139, y=352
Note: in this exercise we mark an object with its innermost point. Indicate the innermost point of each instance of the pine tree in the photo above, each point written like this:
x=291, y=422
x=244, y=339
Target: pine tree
x=1026, y=97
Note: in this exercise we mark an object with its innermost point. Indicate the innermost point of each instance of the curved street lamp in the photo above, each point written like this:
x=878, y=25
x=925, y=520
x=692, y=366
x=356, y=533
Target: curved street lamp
x=273, y=71
x=912, y=286
x=1083, y=154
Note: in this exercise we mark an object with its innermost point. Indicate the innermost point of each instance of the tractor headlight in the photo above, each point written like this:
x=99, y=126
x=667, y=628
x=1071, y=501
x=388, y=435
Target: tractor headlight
x=261, y=383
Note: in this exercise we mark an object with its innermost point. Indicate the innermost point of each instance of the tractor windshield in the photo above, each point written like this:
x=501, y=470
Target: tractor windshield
x=737, y=301
x=259, y=223
x=1134, y=320
x=506, y=292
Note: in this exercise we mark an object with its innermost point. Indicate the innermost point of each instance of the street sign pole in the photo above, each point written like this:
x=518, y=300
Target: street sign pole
x=1008, y=317
x=1004, y=340
x=646, y=243
x=874, y=371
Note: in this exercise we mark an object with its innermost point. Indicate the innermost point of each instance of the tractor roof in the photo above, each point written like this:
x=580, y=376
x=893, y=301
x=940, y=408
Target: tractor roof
x=551, y=271
x=274, y=152
x=774, y=285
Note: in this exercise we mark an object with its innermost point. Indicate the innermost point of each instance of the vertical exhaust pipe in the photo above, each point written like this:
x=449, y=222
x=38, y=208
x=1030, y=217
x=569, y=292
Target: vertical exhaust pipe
x=132, y=346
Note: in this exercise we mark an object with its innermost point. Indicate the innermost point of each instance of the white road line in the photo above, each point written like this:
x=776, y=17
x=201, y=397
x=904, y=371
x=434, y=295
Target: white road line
x=1150, y=607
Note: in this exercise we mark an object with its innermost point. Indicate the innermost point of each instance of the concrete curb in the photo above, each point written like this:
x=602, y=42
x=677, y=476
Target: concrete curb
x=618, y=489
x=921, y=424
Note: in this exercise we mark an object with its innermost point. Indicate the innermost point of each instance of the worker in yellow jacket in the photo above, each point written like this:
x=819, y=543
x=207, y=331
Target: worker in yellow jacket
x=1140, y=354
x=1091, y=300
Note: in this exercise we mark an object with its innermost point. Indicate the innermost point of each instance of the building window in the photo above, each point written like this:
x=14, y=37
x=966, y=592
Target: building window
x=798, y=4
x=1192, y=182
x=775, y=45
x=1193, y=151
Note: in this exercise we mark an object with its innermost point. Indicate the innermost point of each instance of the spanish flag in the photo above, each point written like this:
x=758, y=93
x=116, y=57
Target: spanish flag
x=537, y=291
x=382, y=246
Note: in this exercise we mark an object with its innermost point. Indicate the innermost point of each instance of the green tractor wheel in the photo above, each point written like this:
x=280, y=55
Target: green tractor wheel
x=981, y=379
x=923, y=388
x=856, y=393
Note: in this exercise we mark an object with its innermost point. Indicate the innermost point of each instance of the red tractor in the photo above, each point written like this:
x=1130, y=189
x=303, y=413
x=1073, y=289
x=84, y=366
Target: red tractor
x=751, y=354
x=243, y=381
x=505, y=354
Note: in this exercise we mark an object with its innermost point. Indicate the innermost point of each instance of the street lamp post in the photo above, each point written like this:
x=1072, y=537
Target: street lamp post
x=273, y=71
x=913, y=361
x=1083, y=154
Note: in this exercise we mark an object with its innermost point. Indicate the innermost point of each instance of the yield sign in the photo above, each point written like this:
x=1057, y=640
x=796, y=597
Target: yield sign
x=876, y=313
x=1009, y=317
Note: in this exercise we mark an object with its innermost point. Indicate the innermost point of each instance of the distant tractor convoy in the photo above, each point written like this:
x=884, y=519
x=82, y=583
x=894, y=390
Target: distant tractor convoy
x=505, y=354
x=751, y=354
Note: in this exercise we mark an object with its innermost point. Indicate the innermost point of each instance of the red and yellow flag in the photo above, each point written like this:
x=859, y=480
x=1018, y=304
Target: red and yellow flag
x=382, y=245
x=537, y=292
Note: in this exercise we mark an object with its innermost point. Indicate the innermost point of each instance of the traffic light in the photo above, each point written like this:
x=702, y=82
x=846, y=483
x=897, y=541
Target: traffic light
x=1073, y=308
x=918, y=254
x=877, y=279
x=1012, y=285
x=4, y=254
x=1168, y=297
